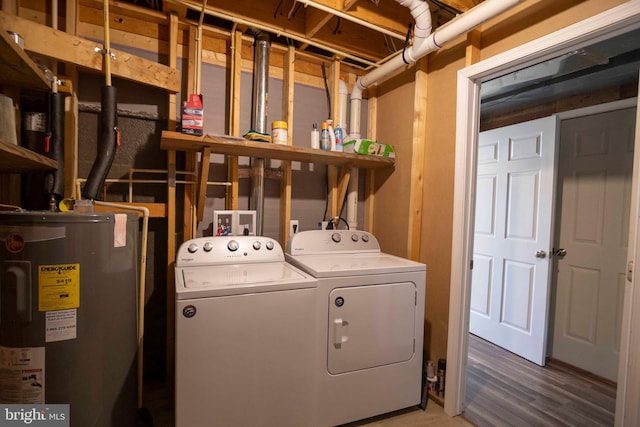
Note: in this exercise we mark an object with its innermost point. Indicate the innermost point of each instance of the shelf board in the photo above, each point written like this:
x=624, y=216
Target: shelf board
x=242, y=147
x=17, y=68
x=16, y=159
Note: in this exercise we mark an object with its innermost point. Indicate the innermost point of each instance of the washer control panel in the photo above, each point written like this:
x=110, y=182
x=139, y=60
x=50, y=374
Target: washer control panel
x=332, y=241
x=227, y=250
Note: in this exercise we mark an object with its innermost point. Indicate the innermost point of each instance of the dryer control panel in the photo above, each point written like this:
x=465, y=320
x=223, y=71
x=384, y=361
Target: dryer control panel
x=332, y=241
x=228, y=249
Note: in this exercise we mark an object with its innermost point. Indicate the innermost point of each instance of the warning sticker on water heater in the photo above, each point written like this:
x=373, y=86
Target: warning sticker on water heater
x=58, y=287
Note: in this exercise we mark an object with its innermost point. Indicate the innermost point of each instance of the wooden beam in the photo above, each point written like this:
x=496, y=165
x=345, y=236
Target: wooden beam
x=191, y=199
x=171, y=213
x=348, y=4
x=370, y=178
x=71, y=109
x=287, y=114
x=473, y=48
x=343, y=183
x=202, y=182
x=70, y=49
x=231, y=199
x=156, y=210
x=417, y=160
x=315, y=20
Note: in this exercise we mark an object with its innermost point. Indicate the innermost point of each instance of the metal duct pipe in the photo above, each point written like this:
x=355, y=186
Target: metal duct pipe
x=259, y=121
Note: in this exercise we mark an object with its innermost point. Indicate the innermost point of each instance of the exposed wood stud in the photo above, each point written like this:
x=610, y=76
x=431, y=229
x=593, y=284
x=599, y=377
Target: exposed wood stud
x=417, y=160
x=171, y=210
x=369, y=190
x=287, y=114
x=231, y=199
x=474, y=44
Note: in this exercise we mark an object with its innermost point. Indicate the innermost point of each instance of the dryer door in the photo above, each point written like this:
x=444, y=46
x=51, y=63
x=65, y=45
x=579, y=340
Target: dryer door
x=370, y=326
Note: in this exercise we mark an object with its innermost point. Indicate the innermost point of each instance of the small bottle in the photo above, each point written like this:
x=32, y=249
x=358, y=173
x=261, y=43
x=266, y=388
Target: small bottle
x=339, y=137
x=325, y=139
x=442, y=375
x=332, y=135
x=315, y=137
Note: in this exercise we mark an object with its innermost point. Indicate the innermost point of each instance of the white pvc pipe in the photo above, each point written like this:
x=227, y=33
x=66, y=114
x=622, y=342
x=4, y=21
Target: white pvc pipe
x=423, y=44
x=452, y=29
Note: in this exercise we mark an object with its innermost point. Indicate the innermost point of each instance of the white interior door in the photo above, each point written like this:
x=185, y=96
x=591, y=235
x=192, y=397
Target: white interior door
x=596, y=166
x=514, y=206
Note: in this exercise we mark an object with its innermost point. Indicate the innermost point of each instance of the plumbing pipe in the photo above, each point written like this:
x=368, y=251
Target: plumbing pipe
x=424, y=42
x=142, y=278
x=424, y=45
x=259, y=122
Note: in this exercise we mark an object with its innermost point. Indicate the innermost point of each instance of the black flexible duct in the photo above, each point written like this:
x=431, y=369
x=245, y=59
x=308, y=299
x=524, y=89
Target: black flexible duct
x=56, y=151
x=107, y=144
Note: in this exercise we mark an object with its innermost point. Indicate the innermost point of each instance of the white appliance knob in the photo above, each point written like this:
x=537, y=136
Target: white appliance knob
x=269, y=245
x=354, y=237
x=192, y=248
x=208, y=246
x=256, y=245
x=336, y=237
x=365, y=238
x=233, y=245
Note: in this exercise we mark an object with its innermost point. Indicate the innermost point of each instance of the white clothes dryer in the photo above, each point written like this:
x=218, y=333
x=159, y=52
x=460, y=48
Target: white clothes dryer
x=245, y=328
x=370, y=324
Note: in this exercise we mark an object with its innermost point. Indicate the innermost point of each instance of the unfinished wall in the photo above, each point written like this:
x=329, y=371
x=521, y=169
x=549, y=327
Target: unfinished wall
x=529, y=21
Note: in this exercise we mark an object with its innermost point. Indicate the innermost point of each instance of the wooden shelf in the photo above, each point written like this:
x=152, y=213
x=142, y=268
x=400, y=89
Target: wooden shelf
x=243, y=147
x=17, y=68
x=16, y=159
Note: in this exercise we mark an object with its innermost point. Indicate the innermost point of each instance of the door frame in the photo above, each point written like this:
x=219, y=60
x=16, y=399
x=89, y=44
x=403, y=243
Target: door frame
x=603, y=26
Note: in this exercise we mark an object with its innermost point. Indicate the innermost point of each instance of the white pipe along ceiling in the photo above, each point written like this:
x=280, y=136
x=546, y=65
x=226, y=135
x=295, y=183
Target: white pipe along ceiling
x=424, y=42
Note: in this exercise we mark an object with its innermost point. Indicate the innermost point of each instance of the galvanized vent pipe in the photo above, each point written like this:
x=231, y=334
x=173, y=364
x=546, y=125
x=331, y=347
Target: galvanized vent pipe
x=259, y=120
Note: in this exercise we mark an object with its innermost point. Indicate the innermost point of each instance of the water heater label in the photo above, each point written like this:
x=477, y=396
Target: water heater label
x=22, y=374
x=61, y=325
x=58, y=287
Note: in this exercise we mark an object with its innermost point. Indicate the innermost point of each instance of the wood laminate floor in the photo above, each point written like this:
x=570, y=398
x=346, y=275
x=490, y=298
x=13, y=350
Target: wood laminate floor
x=506, y=390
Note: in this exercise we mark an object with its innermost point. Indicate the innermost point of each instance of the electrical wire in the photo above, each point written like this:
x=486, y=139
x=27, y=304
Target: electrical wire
x=326, y=88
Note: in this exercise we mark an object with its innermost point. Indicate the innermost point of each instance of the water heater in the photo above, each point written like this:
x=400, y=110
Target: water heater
x=68, y=313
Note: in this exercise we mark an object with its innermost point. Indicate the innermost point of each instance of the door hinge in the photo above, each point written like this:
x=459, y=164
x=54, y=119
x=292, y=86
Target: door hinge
x=471, y=265
x=630, y=271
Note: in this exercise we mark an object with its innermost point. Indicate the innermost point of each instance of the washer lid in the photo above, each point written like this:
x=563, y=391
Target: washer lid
x=353, y=264
x=234, y=279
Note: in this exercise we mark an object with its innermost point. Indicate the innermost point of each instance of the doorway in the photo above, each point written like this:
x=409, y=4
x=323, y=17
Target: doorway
x=614, y=22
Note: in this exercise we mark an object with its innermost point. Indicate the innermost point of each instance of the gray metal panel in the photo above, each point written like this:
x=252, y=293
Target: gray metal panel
x=95, y=372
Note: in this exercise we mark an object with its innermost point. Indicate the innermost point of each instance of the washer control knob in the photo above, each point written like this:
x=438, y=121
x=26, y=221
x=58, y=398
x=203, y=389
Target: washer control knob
x=233, y=245
x=365, y=238
x=336, y=237
x=192, y=248
x=208, y=246
x=256, y=245
x=354, y=237
x=269, y=245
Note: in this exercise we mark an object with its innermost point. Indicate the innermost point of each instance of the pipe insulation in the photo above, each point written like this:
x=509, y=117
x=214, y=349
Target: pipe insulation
x=260, y=100
x=57, y=144
x=107, y=144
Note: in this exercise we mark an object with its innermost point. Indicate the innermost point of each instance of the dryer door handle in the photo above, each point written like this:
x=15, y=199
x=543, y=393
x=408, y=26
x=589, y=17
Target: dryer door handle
x=339, y=329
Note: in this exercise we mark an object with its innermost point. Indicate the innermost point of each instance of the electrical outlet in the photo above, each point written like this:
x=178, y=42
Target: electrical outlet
x=293, y=227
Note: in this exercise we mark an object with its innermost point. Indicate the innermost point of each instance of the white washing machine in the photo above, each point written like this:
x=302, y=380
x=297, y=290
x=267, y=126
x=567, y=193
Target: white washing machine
x=370, y=324
x=245, y=328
